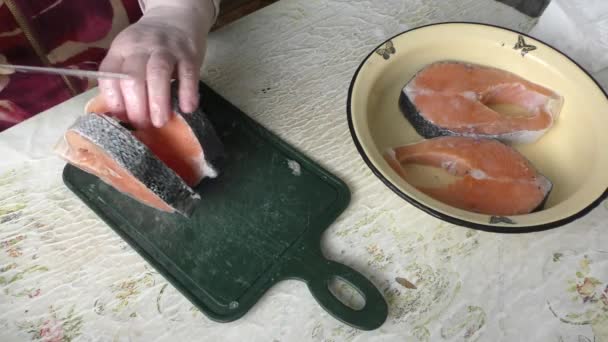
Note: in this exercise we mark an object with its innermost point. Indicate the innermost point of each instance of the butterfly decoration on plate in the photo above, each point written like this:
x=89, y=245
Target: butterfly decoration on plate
x=501, y=219
x=521, y=44
x=387, y=50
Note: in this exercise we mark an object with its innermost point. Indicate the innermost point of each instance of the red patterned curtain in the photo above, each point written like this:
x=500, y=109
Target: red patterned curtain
x=63, y=33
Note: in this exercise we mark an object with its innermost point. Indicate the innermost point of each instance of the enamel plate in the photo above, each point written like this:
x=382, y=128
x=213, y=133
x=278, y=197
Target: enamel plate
x=572, y=154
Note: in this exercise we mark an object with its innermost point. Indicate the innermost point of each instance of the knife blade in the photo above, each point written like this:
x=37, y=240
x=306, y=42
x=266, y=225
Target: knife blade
x=65, y=72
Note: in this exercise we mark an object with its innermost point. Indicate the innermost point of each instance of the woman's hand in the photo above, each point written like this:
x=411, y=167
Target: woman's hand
x=169, y=41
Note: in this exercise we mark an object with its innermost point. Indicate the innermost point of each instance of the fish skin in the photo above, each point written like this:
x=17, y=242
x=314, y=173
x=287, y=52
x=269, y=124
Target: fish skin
x=138, y=160
x=423, y=127
x=213, y=149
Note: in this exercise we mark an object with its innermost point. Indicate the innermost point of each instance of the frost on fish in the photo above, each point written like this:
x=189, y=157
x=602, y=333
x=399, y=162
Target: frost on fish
x=478, y=174
x=101, y=146
x=295, y=167
x=456, y=99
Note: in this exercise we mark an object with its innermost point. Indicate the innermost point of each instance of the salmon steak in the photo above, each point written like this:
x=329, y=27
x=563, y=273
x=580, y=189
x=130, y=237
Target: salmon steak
x=156, y=166
x=485, y=175
x=451, y=98
x=100, y=145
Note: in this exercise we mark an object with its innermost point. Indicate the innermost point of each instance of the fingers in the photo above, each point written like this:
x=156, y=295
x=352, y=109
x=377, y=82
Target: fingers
x=159, y=70
x=146, y=98
x=134, y=90
x=110, y=88
x=188, y=75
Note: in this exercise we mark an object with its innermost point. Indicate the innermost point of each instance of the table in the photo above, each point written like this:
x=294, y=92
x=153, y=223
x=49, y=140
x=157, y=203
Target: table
x=65, y=276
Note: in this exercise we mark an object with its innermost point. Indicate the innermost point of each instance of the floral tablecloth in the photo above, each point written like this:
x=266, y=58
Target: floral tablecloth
x=66, y=276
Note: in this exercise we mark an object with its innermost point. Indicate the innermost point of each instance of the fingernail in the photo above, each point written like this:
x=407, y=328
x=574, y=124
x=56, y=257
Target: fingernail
x=190, y=106
x=158, y=121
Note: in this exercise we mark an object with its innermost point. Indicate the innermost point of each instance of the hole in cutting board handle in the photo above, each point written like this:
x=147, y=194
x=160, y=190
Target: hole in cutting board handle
x=346, y=293
x=341, y=290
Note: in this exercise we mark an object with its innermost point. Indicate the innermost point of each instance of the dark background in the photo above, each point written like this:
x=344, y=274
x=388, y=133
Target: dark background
x=533, y=8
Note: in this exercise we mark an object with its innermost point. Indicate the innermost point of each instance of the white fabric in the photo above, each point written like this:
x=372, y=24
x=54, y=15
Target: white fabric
x=579, y=28
x=216, y=5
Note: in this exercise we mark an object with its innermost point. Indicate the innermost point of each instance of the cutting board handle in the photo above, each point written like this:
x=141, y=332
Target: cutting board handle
x=320, y=272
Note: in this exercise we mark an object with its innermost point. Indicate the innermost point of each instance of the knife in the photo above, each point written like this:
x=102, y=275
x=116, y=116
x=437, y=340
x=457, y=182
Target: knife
x=64, y=72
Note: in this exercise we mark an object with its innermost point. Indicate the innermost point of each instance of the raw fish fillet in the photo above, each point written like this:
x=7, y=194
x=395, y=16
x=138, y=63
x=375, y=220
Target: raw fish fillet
x=188, y=143
x=492, y=178
x=100, y=145
x=462, y=99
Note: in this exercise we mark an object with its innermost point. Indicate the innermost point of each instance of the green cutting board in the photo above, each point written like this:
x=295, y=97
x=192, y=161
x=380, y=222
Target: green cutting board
x=260, y=222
